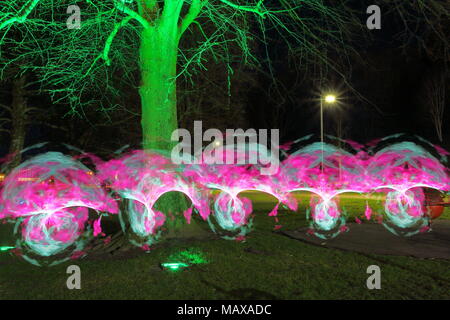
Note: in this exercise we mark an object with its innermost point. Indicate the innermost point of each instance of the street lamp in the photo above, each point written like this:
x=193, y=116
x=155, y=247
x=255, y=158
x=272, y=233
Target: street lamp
x=330, y=98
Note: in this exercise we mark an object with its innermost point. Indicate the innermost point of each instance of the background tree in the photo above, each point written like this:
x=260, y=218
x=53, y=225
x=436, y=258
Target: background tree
x=434, y=97
x=16, y=117
x=424, y=32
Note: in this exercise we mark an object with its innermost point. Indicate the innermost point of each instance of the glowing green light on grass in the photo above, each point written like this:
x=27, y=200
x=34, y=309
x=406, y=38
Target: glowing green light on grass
x=5, y=248
x=189, y=256
x=184, y=259
x=174, y=266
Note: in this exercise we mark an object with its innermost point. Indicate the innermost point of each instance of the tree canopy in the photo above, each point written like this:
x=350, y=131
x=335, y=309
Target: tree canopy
x=81, y=66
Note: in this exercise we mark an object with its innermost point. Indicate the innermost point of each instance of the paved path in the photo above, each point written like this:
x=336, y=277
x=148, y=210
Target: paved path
x=371, y=238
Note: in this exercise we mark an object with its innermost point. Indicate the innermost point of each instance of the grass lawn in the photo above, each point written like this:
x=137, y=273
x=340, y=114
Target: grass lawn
x=267, y=266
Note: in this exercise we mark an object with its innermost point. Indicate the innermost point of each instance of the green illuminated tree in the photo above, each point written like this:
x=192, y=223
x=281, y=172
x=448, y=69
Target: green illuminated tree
x=139, y=43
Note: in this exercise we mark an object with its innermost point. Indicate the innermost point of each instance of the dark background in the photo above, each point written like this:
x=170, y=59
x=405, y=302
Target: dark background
x=381, y=94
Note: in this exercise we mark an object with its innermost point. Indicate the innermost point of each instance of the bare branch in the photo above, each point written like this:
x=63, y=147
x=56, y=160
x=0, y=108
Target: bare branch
x=120, y=5
x=257, y=9
x=22, y=15
x=48, y=125
x=194, y=10
x=7, y=108
x=110, y=39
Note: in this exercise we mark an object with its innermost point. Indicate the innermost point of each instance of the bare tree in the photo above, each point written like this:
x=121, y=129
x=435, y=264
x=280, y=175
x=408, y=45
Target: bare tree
x=16, y=122
x=425, y=25
x=434, y=98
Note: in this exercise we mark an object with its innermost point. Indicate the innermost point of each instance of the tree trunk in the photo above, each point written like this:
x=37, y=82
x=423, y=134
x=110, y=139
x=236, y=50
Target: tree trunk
x=158, y=62
x=18, y=121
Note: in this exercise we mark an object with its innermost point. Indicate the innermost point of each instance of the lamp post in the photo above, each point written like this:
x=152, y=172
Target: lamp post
x=329, y=99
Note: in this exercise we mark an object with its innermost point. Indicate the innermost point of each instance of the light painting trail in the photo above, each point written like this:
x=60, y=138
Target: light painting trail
x=403, y=170
x=231, y=214
x=49, y=197
x=57, y=203
x=325, y=171
x=141, y=178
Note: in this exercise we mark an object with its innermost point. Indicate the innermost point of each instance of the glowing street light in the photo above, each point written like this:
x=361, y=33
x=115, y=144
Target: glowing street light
x=330, y=98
